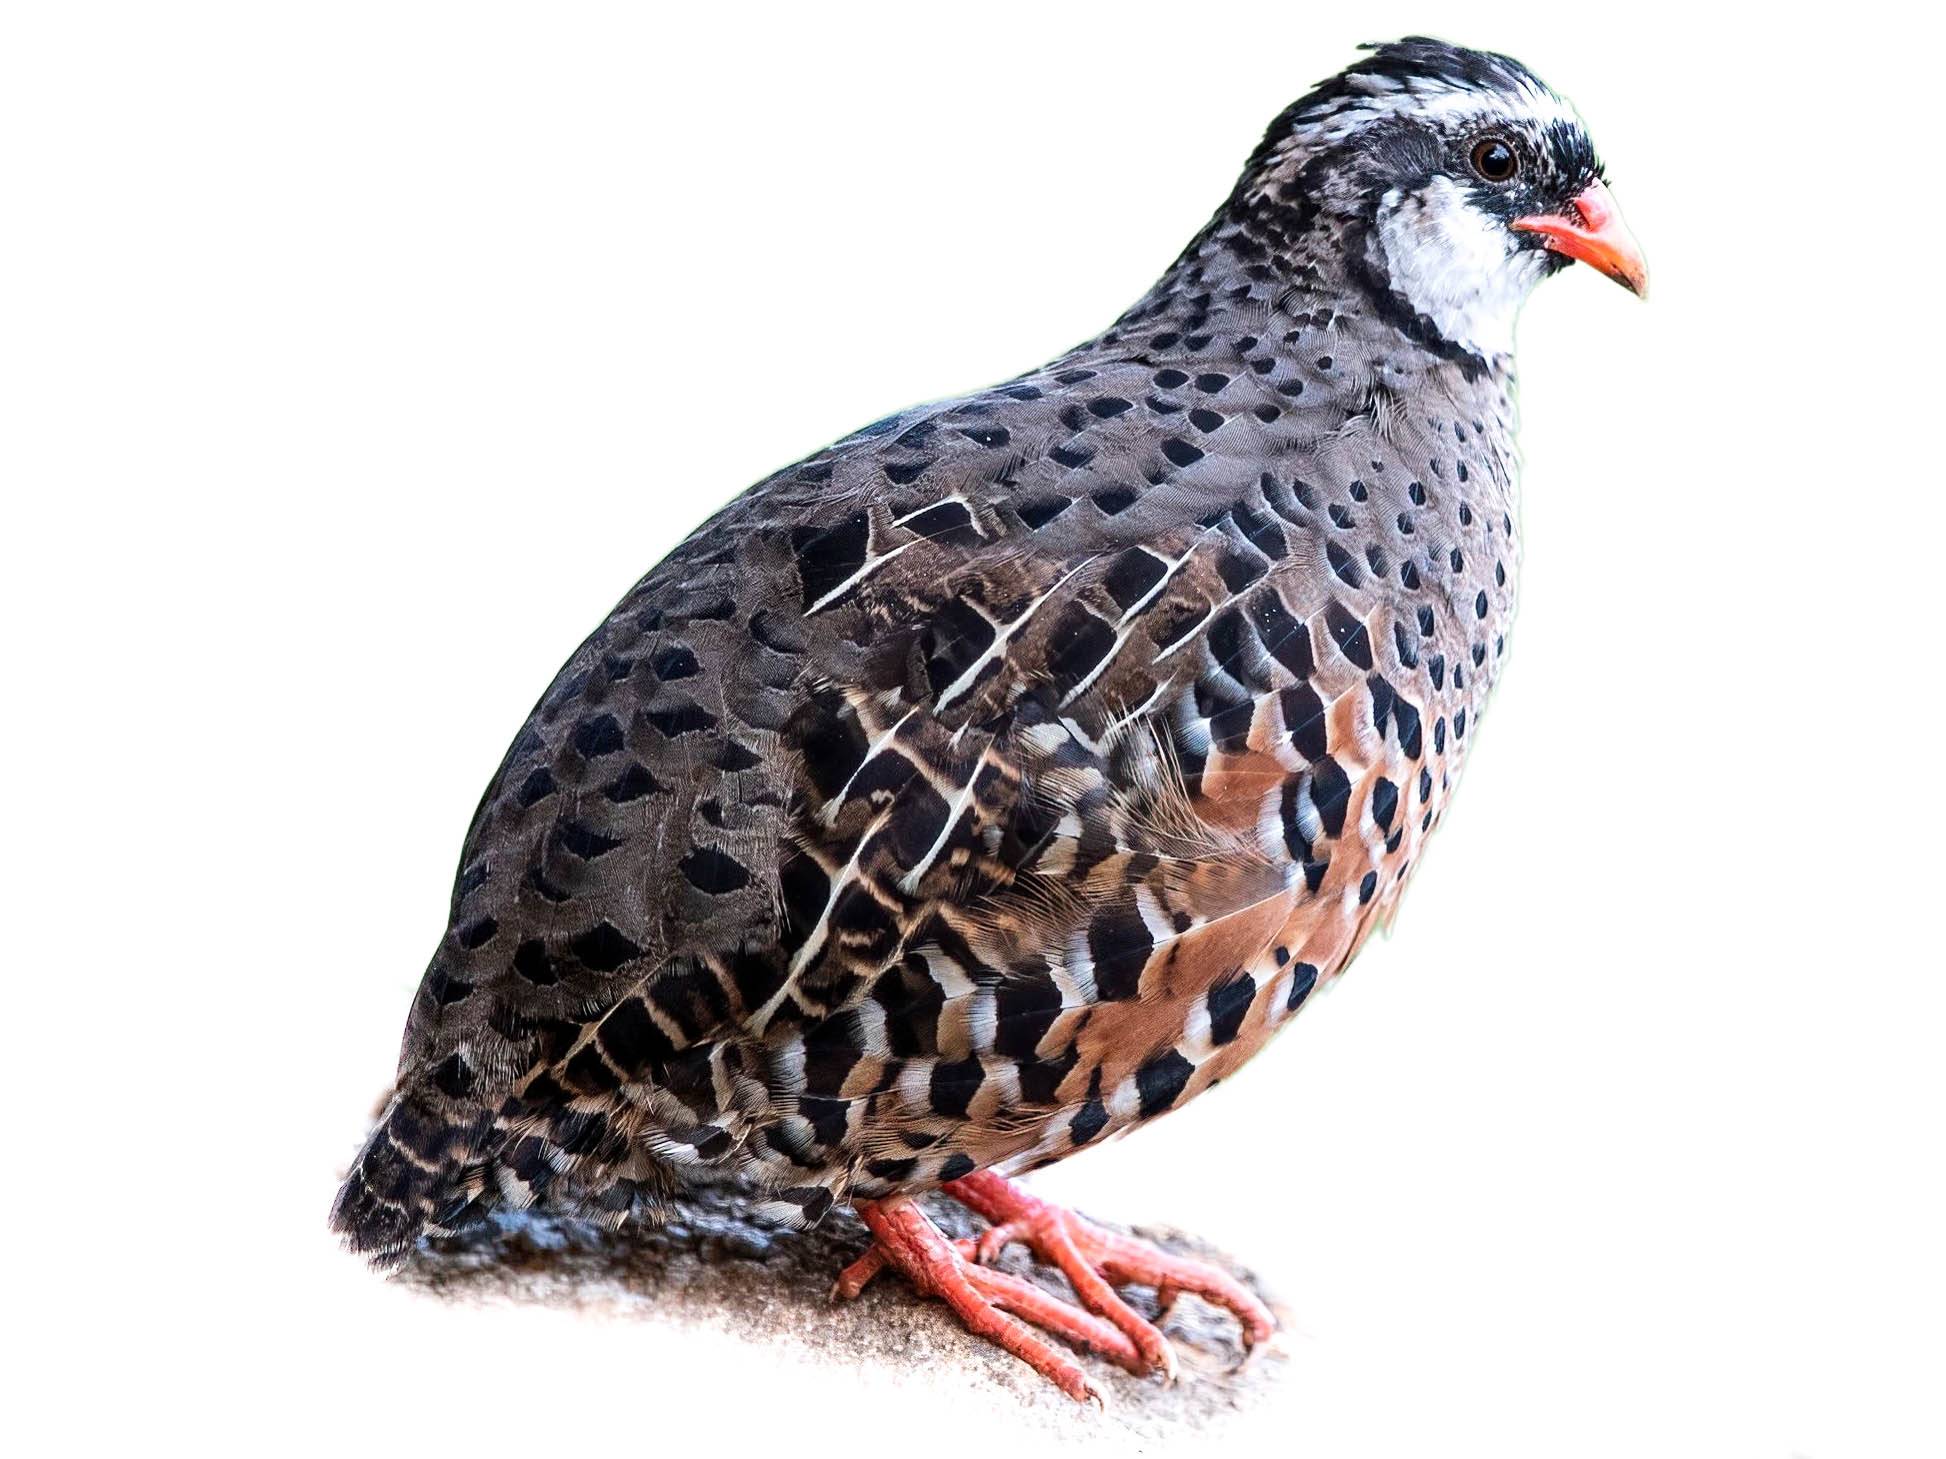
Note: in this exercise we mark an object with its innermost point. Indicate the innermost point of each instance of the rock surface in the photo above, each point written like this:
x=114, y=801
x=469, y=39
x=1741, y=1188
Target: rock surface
x=712, y=1266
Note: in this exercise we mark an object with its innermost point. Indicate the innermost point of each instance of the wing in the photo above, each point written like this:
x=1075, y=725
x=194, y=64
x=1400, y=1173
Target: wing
x=980, y=786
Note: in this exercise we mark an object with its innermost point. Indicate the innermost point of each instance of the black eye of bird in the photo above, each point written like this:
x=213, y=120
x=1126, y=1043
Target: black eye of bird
x=1494, y=160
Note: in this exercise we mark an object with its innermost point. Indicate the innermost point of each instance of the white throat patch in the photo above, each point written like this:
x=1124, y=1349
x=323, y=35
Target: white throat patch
x=1457, y=266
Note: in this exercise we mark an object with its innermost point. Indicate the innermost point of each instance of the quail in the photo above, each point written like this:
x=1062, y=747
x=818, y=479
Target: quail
x=1004, y=775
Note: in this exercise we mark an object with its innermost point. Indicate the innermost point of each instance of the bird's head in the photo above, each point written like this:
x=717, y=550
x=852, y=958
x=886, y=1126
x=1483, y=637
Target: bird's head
x=1446, y=182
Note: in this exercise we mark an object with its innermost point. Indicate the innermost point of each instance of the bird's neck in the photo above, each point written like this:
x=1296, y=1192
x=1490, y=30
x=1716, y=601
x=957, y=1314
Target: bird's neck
x=1243, y=274
x=1266, y=265
x=1241, y=280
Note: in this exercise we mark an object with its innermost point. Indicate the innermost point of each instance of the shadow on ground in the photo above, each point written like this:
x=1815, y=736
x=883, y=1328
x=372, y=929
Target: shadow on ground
x=712, y=1265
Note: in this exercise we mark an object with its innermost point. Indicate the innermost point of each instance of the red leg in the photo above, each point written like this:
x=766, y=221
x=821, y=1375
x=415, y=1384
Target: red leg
x=906, y=1240
x=1092, y=1259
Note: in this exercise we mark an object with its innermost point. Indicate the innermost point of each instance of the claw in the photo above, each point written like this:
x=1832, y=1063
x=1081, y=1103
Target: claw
x=996, y=1239
x=1165, y=1302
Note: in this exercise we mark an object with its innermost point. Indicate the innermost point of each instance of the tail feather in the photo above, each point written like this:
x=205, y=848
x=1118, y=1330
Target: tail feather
x=414, y=1174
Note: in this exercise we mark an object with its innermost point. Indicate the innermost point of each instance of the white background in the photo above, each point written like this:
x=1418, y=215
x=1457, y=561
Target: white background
x=356, y=358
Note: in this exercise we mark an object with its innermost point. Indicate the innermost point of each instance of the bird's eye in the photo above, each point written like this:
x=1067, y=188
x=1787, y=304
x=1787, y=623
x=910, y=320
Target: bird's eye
x=1494, y=160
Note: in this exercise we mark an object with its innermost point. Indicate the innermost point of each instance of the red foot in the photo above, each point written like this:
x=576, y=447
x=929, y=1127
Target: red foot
x=1088, y=1256
x=1091, y=1259
x=935, y=1265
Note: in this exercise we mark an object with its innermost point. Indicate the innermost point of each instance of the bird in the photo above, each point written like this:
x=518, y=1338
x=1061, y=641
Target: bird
x=1003, y=776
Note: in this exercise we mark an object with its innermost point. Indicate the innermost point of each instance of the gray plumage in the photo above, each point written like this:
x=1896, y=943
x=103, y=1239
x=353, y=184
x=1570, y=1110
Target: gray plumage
x=1003, y=775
